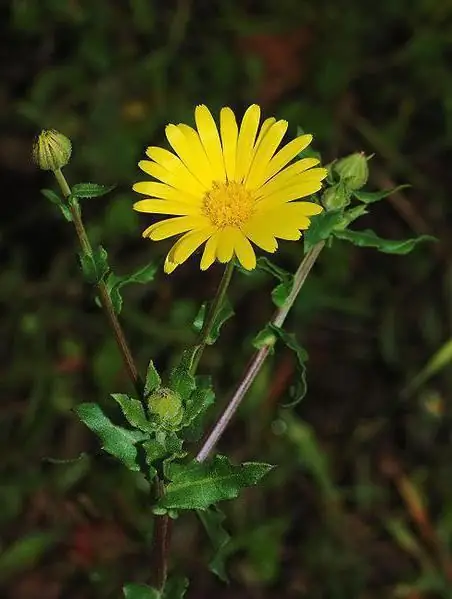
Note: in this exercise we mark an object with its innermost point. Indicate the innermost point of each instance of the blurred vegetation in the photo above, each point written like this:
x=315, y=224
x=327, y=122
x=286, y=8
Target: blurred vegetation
x=361, y=504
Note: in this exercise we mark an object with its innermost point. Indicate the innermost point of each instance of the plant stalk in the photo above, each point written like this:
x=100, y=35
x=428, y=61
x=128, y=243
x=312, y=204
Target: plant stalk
x=104, y=297
x=212, y=313
x=259, y=357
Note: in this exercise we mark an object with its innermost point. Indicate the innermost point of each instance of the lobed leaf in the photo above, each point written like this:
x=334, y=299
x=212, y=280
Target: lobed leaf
x=197, y=486
x=369, y=238
x=212, y=520
x=115, y=440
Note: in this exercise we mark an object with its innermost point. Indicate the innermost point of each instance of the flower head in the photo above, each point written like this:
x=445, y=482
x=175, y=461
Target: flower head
x=51, y=150
x=228, y=187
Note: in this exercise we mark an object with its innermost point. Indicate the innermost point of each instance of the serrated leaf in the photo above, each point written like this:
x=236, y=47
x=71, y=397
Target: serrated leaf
x=198, y=403
x=140, y=591
x=224, y=313
x=212, y=520
x=133, y=411
x=90, y=190
x=115, y=440
x=198, y=486
x=321, y=227
x=368, y=197
x=369, y=238
x=95, y=265
x=181, y=380
x=153, y=380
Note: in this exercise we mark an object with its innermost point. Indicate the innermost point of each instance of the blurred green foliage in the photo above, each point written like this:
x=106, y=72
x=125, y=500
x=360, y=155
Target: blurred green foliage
x=361, y=504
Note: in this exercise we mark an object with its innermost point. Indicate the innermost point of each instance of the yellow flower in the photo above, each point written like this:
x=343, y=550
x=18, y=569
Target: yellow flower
x=229, y=187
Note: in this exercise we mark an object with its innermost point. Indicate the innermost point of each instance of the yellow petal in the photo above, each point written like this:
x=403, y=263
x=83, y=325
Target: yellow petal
x=174, y=164
x=186, y=149
x=208, y=256
x=198, y=154
x=166, y=207
x=264, y=153
x=164, y=192
x=174, y=226
x=246, y=139
x=225, y=247
x=229, y=134
x=169, y=266
x=286, y=177
x=259, y=233
x=188, y=243
x=244, y=251
x=210, y=140
x=286, y=154
x=263, y=131
x=305, y=187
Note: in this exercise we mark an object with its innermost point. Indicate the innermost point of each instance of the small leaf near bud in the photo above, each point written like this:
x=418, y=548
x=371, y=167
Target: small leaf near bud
x=51, y=150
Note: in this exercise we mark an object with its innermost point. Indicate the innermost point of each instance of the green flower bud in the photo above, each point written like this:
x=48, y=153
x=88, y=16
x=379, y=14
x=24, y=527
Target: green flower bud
x=51, y=150
x=337, y=196
x=353, y=170
x=166, y=406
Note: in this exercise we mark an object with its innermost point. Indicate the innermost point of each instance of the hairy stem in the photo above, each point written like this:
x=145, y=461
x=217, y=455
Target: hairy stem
x=258, y=359
x=104, y=297
x=212, y=313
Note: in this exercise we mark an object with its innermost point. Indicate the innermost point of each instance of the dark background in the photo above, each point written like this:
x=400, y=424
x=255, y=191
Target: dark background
x=360, y=505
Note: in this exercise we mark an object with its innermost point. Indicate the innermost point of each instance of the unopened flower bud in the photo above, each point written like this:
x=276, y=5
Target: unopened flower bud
x=51, y=150
x=337, y=196
x=166, y=405
x=353, y=170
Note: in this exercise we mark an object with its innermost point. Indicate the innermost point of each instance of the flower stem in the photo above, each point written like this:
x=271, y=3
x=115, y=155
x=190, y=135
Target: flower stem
x=211, y=316
x=258, y=359
x=104, y=297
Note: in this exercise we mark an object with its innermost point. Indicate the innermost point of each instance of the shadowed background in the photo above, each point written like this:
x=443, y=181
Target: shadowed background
x=360, y=505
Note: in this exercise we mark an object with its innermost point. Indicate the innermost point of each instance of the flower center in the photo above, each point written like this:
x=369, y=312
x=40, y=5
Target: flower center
x=228, y=204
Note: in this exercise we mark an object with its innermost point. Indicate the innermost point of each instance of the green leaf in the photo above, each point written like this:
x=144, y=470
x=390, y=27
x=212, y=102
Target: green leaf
x=90, y=190
x=198, y=403
x=321, y=227
x=140, y=591
x=310, y=453
x=115, y=440
x=197, y=486
x=143, y=275
x=440, y=359
x=58, y=201
x=24, y=553
x=95, y=265
x=368, y=197
x=212, y=520
x=181, y=380
x=175, y=588
x=224, y=313
x=368, y=238
x=155, y=451
x=153, y=380
x=298, y=391
x=51, y=196
x=281, y=291
x=351, y=215
x=133, y=411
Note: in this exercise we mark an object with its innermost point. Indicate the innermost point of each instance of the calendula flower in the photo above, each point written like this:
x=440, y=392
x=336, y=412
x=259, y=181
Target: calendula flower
x=228, y=188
